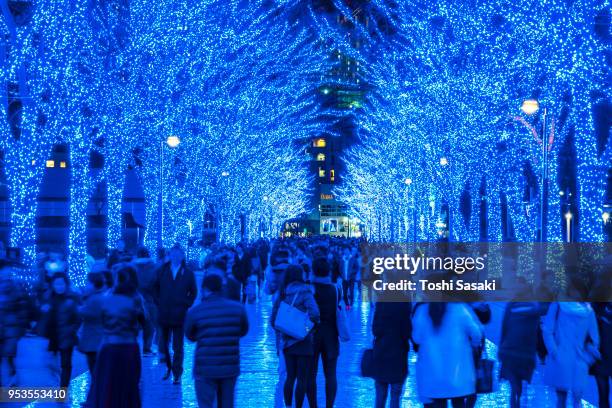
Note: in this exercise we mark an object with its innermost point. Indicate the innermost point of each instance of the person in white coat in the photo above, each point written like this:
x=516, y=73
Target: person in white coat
x=446, y=334
x=572, y=340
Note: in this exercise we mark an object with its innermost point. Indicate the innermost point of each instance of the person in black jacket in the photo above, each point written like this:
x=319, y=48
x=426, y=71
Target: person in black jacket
x=59, y=323
x=392, y=329
x=518, y=346
x=603, y=368
x=13, y=318
x=326, y=344
x=90, y=312
x=241, y=268
x=147, y=275
x=216, y=324
x=176, y=291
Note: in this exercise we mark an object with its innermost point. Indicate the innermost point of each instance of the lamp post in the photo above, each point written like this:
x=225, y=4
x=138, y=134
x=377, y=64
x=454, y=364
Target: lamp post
x=530, y=107
x=605, y=217
x=172, y=142
x=408, y=182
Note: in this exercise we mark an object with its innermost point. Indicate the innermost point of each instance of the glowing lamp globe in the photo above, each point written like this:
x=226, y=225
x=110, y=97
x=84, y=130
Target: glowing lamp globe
x=173, y=141
x=530, y=106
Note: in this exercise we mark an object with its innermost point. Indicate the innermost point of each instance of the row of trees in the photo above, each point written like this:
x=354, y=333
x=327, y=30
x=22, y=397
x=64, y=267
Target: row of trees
x=234, y=81
x=443, y=131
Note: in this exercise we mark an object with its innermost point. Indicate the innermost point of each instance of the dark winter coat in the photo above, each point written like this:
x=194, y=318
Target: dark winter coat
x=519, y=340
x=242, y=268
x=392, y=328
x=304, y=301
x=122, y=317
x=60, y=323
x=91, y=332
x=262, y=253
x=13, y=316
x=146, y=270
x=275, y=275
x=326, y=334
x=603, y=312
x=232, y=289
x=174, y=296
x=216, y=324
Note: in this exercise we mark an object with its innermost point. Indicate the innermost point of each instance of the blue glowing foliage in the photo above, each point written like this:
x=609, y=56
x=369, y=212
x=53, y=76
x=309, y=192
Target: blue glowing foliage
x=444, y=112
x=233, y=81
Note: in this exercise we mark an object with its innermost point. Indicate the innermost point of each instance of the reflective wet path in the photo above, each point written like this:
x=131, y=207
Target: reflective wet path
x=257, y=386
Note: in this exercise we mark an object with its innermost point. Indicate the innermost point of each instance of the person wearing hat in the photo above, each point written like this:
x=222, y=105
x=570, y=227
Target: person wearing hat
x=216, y=324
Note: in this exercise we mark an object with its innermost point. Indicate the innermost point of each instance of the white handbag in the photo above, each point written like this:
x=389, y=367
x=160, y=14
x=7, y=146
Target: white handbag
x=292, y=321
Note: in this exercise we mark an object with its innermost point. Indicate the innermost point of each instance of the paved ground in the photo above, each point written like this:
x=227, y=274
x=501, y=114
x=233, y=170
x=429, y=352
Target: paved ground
x=257, y=386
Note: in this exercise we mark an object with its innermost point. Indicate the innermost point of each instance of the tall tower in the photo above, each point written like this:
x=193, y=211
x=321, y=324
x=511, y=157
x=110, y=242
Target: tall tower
x=342, y=94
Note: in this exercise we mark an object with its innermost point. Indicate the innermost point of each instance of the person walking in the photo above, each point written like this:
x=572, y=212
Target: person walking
x=518, y=346
x=60, y=322
x=176, y=291
x=13, y=319
x=216, y=324
x=354, y=276
x=298, y=354
x=116, y=382
x=446, y=334
x=91, y=332
x=572, y=340
x=603, y=367
x=391, y=328
x=241, y=269
x=325, y=337
x=345, y=272
x=147, y=275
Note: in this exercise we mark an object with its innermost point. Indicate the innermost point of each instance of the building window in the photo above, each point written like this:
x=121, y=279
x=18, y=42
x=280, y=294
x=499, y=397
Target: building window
x=50, y=163
x=321, y=172
x=320, y=157
x=320, y=142
x=63, y=164
x=332, y=175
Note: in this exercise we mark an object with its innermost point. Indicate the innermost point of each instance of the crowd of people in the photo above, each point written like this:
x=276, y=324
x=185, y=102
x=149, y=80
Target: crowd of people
x=135, y=306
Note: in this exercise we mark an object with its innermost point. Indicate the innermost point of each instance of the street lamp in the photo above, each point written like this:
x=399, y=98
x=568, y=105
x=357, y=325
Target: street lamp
x=529, y=107
x=408, y=182
x=172, y=142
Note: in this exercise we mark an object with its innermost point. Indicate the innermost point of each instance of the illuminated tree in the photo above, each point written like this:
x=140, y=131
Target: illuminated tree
x=235, y=83
x=446, y=99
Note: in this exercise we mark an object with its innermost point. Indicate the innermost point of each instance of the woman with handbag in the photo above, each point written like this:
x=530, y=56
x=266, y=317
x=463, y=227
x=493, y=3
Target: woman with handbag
x=298, y=353
x=326, y=335
x=446, y=334
x=391, y=328
x=572, y=340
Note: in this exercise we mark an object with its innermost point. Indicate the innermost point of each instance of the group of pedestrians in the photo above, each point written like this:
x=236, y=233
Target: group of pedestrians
x=320, y=279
